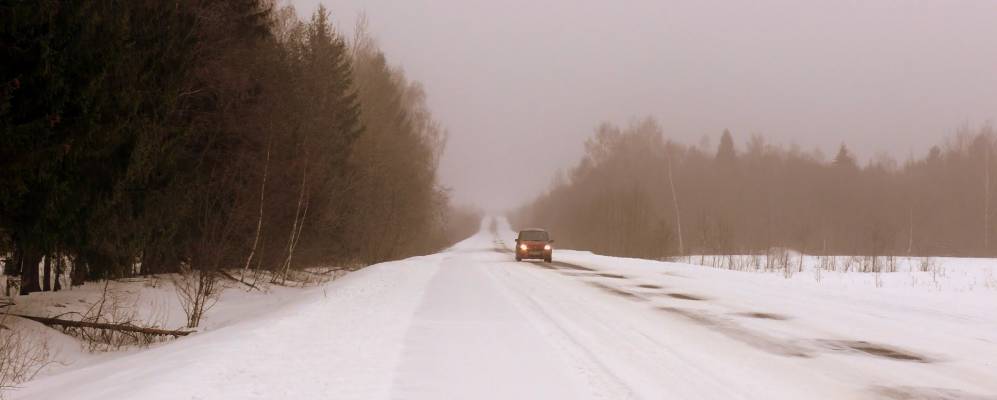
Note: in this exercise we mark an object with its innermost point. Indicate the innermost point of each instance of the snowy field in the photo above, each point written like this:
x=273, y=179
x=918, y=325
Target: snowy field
x=932, y=273
x=470, y=323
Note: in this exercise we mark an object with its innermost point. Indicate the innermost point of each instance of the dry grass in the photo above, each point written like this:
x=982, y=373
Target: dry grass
x=21, y=356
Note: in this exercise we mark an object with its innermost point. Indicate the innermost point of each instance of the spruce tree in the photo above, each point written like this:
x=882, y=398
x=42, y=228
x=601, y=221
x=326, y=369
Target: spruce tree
x=726, y=154
x=844, y=158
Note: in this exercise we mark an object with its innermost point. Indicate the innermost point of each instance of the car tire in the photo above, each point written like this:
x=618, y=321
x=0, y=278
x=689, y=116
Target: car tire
x=518, y=259
x=548, y=259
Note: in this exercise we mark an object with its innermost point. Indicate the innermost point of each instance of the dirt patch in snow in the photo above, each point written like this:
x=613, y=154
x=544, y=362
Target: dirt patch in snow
x=741, y=334
x=684, y=296
x=617, y=291
x=562, y=264
x=763, y=315
x=609, y=275
x=576, y=274
x=926, y=393
x=693, y=315
x=877, y=350
x=649, y=286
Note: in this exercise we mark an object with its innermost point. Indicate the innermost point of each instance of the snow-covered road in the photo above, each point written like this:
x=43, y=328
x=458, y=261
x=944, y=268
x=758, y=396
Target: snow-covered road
x=470, y=323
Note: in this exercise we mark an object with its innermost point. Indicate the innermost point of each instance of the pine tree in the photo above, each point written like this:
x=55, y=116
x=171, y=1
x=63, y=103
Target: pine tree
x=726, y=154
x=66, y=125
x=844, y=158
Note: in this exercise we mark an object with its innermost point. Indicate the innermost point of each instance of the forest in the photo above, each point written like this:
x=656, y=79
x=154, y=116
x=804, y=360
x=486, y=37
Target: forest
x=147, y=137
x=636, y=193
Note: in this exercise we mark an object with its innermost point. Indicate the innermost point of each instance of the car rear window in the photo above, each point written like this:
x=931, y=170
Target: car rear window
x=533, y=235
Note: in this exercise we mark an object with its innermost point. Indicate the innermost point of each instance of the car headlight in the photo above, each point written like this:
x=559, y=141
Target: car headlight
x=546, y=247
x=522, y=247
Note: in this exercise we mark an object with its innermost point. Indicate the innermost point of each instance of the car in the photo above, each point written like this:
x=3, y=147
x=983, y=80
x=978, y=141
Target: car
x=534, y=243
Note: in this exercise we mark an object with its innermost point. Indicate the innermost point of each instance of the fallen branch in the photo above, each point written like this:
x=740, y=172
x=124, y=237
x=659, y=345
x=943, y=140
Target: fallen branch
x=100, y=325
x=229, y=276
x=329, y=271
x=131, y=280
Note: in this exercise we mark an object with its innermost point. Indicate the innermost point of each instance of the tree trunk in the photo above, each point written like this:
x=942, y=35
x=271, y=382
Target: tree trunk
x=299, y=221
x=59, y=268
x=986, y=201
x=100, y=325
x=675, y=202
x=802, y=256
x=13, y=266
x=79, y=274
x=910, y=232
x=29, y=271
x=47, y=278
x=259, y=221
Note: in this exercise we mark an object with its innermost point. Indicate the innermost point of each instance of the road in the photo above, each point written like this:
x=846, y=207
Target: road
x=471, y=323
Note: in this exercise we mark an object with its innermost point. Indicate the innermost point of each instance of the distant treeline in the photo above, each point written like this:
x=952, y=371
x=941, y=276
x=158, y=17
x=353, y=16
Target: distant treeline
x=636, y=193
x=145, y=136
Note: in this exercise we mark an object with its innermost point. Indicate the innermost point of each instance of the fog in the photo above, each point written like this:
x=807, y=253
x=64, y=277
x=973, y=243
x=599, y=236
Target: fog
x=521, y=84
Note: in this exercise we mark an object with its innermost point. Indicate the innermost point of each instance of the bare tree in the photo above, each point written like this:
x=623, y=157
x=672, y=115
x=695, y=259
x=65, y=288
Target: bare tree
x=198, y=291
x=771, y=197
x=986, y=196
x=300, y=213
x=675, y=204
x=259, y=221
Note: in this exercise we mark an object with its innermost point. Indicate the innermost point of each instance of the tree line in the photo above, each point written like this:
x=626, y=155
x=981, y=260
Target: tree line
x=150, y=136
x=636, y=193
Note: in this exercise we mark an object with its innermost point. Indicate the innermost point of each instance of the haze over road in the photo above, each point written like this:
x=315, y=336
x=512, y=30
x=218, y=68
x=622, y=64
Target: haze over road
x=521, y=84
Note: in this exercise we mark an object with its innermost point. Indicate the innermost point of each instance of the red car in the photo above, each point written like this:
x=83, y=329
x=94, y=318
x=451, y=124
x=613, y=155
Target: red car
x=534, y=243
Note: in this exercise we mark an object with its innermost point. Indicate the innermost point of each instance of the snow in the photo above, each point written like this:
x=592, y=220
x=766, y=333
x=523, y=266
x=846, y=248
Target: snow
x=470, y=322
x=149, y=302
x=933, y=273
x=341, y=338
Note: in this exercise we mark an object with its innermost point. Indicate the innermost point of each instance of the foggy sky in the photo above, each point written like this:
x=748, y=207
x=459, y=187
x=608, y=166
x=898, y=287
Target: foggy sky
x=521, y=84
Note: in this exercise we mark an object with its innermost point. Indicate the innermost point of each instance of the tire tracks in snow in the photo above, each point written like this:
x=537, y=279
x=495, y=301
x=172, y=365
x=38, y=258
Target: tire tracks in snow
x=603, y=381
x=645, y=367
x=884, y=362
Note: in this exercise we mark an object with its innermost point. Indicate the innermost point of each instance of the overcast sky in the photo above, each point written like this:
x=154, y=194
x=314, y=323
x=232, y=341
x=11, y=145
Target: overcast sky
x=520, y=84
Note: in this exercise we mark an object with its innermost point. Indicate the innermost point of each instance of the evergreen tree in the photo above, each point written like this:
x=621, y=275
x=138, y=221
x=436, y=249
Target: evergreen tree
x=844, y=158
x=726, y=154
x=69, y=124
x=220, y=130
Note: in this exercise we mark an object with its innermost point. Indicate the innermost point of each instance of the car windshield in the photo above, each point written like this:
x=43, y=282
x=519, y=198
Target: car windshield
x=533, y=235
